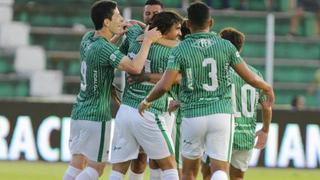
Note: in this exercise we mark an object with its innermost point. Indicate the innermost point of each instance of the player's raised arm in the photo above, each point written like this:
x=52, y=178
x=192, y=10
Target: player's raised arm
x=254, y=80
x=136, y=65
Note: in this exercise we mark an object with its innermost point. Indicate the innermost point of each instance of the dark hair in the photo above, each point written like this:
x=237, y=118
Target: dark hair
x=154, y=2
x=199, y=14
x=234, y=36
x=102, y=10
x=184, y=30
x=165, y=20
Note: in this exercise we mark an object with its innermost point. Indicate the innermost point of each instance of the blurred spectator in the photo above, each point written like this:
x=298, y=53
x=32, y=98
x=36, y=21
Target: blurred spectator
x=298, y=103
x=244, y=5
x=305, y=5
x=225, y=3
x=315, y=86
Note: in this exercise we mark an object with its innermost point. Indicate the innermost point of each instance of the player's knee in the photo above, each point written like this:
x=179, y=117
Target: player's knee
x=236, y=174
x=167, y=163
x=99, y=167
x=78, y=161
x=219, y=165
x=139, y=165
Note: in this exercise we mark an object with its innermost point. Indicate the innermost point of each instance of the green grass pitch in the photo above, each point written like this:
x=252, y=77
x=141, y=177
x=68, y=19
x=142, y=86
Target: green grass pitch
x=22, y=170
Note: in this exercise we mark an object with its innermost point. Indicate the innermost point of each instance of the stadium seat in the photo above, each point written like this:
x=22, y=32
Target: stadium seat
x=29, y=59
x=46, y=83
x=14, y=34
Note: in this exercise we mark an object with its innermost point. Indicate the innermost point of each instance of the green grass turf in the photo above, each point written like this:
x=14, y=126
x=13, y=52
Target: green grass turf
x=23, y=170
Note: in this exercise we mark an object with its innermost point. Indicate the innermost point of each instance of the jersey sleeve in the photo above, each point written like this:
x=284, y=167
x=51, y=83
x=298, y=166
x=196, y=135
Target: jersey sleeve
x=174, y=61
x=132, y=34
x=234, y=55
x=110, y=55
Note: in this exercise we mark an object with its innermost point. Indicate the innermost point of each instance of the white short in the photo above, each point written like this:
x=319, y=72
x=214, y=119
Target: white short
x=241, y=159
x=132, y=131
x=212, y=134
x=176, y=138
x=90, y=138
x=170, y=120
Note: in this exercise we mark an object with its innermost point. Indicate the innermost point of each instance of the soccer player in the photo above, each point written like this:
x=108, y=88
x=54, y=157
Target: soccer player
x=204, y=60
x=91, y=113
x=149, y=132
x=245, y=103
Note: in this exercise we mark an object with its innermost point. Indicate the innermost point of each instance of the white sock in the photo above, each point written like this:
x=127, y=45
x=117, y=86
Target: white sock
x=220, y=175
x=88, y=173
x=135, y=176
x=170, y=174
x=155, y=174
x=71, y=173
x=115, y=175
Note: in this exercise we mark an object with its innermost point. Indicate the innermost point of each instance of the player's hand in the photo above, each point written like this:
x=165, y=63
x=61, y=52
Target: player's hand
x=153, y=35
x=173, y=106
x=135, y=22
x=262, y=139
x=131, y=79
x=143, y=106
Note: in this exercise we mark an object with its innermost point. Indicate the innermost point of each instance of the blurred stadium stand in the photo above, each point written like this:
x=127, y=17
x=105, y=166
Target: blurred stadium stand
x=57, y=27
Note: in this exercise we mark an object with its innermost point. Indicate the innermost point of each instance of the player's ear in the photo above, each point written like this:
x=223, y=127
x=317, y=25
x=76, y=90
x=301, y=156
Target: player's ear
x=188, y=24
x=211, y=22
x=106, y=22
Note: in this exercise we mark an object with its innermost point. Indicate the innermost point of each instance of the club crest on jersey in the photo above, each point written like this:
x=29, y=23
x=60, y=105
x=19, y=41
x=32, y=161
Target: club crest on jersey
x=203, y=43
x=131, y=55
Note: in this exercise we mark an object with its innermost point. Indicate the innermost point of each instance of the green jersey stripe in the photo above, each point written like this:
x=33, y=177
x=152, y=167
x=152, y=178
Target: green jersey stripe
x=164, y=134
x=102, y=135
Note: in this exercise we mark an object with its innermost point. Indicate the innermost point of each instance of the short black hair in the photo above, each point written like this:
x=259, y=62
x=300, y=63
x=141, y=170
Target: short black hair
x=184, y=30
x=234, y=36
x=154, y=2
x=102, y=10
x=165, y=20
x=198, y=15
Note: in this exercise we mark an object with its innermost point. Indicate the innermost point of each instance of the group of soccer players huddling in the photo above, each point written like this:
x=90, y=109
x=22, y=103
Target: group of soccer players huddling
x=189, y=100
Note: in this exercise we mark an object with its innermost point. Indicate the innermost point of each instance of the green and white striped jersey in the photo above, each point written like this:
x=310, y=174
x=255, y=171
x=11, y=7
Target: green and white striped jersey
x=98, y=58
x=204, y=60
x=133, y=32
x=155, y=63
x=245, y=109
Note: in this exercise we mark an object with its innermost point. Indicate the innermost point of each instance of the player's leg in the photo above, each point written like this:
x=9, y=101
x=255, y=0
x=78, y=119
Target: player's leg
x=205, y=167
x=219, y=142
x=239, y=164
x=95, y=148
x=138, y=166
x=155, y=171
x=77, y=164
x=193, y=131
x=124, y=146
x=152, y=134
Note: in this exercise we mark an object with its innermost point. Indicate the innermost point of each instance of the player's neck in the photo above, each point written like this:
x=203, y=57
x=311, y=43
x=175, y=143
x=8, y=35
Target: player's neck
x=106, y=33
x=206, y=30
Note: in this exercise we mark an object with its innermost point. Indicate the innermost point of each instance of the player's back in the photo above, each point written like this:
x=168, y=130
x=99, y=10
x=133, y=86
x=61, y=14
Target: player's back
x=245, y=109
x=97, y=73
x=205, y=61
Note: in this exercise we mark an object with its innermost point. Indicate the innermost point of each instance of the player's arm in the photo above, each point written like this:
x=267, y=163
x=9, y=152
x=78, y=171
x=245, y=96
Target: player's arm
x=136, y=65
x=162, y=41
x=262, y=134
x=149, y=77
x=160, y=89
x=254, y=80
